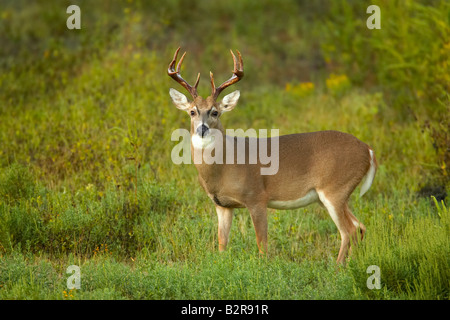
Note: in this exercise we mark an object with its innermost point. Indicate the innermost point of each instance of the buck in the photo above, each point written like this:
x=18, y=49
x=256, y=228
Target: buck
x=324, y=167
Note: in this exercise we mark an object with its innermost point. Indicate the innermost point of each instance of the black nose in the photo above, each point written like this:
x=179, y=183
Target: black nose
x=201, y=131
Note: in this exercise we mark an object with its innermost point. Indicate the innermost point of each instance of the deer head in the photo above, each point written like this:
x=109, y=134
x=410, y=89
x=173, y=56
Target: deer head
x=205, y=113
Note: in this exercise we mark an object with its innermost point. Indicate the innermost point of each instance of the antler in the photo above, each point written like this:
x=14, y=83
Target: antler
x=238, y=74
x=175, y=74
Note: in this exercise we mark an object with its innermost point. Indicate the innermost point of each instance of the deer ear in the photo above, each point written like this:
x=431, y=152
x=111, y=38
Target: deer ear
x=179, y=99
x=229, y=101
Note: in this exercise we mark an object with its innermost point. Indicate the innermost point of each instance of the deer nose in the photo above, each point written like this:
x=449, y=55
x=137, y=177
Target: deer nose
x=202, y=130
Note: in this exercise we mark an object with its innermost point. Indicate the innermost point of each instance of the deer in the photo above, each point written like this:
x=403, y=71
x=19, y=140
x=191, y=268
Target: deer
x=322, y=167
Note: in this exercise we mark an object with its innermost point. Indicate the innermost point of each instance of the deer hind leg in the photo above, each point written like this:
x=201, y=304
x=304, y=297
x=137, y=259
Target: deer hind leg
x=359, y=228
x=225, y=217
x=362, y=227
x=345, y=221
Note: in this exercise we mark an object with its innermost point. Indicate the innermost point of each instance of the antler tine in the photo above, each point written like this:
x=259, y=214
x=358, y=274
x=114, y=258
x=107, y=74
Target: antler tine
x=238, y=74
x=196, y=82
x=213, y=86
x=175, y=74
x=240, y=69
x=171, y=69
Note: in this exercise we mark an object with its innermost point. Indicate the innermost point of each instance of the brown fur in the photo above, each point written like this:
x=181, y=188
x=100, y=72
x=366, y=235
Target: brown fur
x=328, y=161
x=326, y=164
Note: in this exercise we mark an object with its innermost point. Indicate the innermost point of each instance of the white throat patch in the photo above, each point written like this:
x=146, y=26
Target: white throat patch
x=202, y=143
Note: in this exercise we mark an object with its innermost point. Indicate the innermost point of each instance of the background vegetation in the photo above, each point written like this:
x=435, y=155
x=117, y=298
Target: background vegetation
x=85, y=125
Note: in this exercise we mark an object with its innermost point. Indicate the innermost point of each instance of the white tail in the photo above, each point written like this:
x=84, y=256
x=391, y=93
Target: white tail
x=323, y=167
x=368, y=178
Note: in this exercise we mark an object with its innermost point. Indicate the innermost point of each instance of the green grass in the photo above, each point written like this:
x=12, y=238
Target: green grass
x=85, y=171
x=165, y=247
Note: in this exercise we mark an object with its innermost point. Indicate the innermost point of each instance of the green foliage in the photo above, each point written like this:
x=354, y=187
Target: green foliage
x=411, y=250
x=16, y=183
x=408, y=59
x=85, y=171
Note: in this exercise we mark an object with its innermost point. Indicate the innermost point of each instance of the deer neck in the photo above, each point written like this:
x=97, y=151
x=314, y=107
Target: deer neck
x=212, y=157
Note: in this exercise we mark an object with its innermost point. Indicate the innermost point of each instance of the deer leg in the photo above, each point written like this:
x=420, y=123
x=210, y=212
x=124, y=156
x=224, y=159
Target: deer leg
x=225, y=217
x=259, y=219
x=362, y=227
x=345, y=221
x=358, y=226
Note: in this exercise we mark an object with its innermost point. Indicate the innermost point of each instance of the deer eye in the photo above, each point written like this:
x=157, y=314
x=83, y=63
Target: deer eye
x=215, y=113
x=192, y=113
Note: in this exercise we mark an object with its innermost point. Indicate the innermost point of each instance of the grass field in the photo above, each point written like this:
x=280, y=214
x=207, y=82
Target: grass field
x=86, y=177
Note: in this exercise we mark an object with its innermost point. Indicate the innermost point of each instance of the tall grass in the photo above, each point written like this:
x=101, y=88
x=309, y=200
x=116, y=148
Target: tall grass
x=409, y=247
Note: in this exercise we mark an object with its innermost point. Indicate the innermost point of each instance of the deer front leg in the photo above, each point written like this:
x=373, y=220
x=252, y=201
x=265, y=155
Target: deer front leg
x=225, y=217
x=259, y=218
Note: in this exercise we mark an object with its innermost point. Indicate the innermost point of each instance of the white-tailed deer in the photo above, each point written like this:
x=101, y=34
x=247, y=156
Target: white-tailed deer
x=323, y=167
